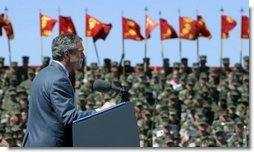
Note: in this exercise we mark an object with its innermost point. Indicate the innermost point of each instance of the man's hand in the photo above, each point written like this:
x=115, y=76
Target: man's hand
x=108, y=104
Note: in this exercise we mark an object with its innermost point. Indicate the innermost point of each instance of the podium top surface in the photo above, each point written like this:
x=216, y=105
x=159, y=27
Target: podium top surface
x=99, y=112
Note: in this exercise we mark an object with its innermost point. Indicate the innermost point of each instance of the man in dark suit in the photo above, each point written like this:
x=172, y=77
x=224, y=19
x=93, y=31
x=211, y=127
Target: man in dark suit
x=52, y=107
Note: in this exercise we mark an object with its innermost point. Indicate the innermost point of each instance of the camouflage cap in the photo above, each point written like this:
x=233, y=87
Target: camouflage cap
x=246, y=58
x=238, y=65
x=225, y=60
x=169, y=140
x=12, y=93
x=231, y=105
x=25, y=58
x=107, y=61
x=147, y=60
x=1, y=59
x=114, y=64
x=8, y=135
x=94, y=65
x=176, y=64
x=127, y=63
x=13, y=78
x=195, y=65
x=14, y=64
x=46, y=58
x=173, y=96
x=218, y=129
x=23, y=96
x=239, y=121
x=202, y=122
x=30, y=71
x=184, y=60
x=165, y=61
x=202, y=57
x=199, y=111
x=172, y=112
x=146, y=112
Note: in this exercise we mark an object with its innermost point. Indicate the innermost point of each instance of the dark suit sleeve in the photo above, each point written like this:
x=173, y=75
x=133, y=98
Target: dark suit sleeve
x=62, y=100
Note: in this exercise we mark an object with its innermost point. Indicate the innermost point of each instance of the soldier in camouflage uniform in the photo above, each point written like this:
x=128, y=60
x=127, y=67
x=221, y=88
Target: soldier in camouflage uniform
x=239, y=138
x=220, y=137
x=225, y=70
x=12, y=71
x=11, y=105
x=194, y=75
x=28, y=82
x=246, y=65
x=2, y=72
x=24, y=68
x=45, y=62
x=203, y=68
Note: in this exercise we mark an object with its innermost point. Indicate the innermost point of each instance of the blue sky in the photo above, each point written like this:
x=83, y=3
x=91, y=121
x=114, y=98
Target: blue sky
x=24, y=15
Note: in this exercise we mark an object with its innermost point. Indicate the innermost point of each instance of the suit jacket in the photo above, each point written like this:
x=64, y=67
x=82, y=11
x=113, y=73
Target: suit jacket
x=51, y=109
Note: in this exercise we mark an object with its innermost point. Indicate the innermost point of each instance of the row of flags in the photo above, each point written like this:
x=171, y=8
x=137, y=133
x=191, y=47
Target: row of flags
x=190, y=29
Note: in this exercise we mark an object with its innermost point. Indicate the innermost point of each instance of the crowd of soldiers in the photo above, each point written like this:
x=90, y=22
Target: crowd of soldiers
x=175, y=106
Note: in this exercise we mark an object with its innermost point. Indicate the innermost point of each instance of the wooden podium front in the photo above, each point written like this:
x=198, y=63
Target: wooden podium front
x=112, y=127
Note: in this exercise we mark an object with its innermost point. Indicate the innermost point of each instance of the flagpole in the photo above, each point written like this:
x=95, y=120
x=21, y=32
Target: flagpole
x=145, y=65
x=123, y=53
x=59, y=11
x=197, y=43
x=241, y=43
x=221, y=42
x=41, y=37
x=9, y=43
x=97, y=54
x=180, y=41
x=161, y=42
x=86, y=47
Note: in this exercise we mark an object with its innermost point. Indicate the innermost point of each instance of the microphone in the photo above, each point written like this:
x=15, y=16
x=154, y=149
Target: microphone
x=105, y=86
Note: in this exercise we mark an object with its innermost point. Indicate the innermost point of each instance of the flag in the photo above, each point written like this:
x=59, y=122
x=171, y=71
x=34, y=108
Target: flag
x=46, y=25
x=188, y=28
x=245, y=27
x=8, y=28
x=1, y=23
x=227, y=24
x=96, y=29
x=103, y=33
x=203, y=30
x=150, y=25
x=66, y=25
x=131, y=30
x=167, y=31
x=93, y=26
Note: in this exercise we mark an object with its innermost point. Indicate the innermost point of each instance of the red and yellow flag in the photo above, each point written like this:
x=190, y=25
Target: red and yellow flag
x=188, y=28
x=150, y=25
x=8, y=28
x=66, y=25
x=203, y=30
x=245, y=32
x=46, y=25
x=103, y=33
x=1, y=23
x=131, y=30
x=96, y=29
x=227, y=24
x=167, y=31
x=93, y=26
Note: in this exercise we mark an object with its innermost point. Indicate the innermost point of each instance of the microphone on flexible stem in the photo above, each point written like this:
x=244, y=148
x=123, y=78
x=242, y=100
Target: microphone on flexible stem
x=105, y=86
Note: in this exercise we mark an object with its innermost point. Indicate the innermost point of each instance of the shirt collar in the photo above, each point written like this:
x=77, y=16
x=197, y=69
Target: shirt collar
x=65, y=70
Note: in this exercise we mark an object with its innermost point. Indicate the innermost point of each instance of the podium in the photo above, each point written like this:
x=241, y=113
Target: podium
x=112, y=127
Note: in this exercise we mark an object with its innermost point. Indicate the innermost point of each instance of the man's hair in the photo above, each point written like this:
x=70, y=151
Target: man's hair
x=64, y=42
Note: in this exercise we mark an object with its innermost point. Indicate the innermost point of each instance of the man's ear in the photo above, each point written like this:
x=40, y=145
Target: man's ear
x=66, y=53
